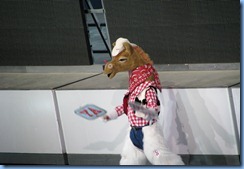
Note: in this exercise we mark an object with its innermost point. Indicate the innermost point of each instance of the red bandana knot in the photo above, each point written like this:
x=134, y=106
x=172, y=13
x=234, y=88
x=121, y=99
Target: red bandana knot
x=140, y=74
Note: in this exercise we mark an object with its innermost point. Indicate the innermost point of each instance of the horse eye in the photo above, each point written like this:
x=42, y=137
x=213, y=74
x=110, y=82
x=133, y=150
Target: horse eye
x=122, y=60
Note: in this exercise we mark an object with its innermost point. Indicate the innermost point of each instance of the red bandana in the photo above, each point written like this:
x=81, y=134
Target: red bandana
x=140, y=74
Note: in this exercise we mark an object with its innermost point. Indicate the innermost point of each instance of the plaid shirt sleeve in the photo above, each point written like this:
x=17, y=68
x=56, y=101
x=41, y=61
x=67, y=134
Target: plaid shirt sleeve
x=151, y=97
x=119, y=110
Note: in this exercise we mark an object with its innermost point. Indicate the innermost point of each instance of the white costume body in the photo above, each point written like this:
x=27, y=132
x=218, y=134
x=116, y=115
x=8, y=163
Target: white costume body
x=155, y=150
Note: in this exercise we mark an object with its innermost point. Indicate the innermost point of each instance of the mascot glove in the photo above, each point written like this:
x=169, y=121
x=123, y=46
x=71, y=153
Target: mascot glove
x=110, y=116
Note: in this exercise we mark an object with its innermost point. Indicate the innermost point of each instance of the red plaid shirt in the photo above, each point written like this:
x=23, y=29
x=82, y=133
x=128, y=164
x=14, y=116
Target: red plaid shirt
x=151, y=97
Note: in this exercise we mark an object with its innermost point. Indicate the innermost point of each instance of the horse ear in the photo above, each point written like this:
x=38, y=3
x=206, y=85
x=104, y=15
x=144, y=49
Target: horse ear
x=128, y=47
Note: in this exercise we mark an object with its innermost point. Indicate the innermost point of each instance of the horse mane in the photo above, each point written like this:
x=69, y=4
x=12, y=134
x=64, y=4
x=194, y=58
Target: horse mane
x=144, y=56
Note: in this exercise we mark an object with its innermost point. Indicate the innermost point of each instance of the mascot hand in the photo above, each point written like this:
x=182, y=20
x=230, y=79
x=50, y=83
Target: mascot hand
x=106, y=118
x=110, y=116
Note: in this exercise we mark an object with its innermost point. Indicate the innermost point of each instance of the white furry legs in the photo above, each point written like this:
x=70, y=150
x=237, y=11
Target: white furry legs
x=131, y=155
x=155, y=150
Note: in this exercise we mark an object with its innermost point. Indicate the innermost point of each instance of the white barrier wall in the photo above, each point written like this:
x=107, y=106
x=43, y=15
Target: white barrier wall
x=28, y=122
x=195, y=121
x=198, y=121
x=84, y=136
x=237, y=106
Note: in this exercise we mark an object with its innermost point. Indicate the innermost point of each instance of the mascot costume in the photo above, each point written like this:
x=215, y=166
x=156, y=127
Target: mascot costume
x=141, y=105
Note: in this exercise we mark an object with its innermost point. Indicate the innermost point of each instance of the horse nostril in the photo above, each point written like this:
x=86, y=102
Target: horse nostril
x=110, y=66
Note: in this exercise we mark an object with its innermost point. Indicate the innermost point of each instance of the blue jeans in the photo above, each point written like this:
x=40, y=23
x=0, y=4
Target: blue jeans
x=136, y=136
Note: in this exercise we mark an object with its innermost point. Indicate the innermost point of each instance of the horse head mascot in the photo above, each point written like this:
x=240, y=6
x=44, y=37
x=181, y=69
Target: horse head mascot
x=141, y=105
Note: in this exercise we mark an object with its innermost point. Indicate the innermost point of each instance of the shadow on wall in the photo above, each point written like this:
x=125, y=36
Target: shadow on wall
x=188, y=124
x=172, y=126
x=121, y=124
x=109, y=145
